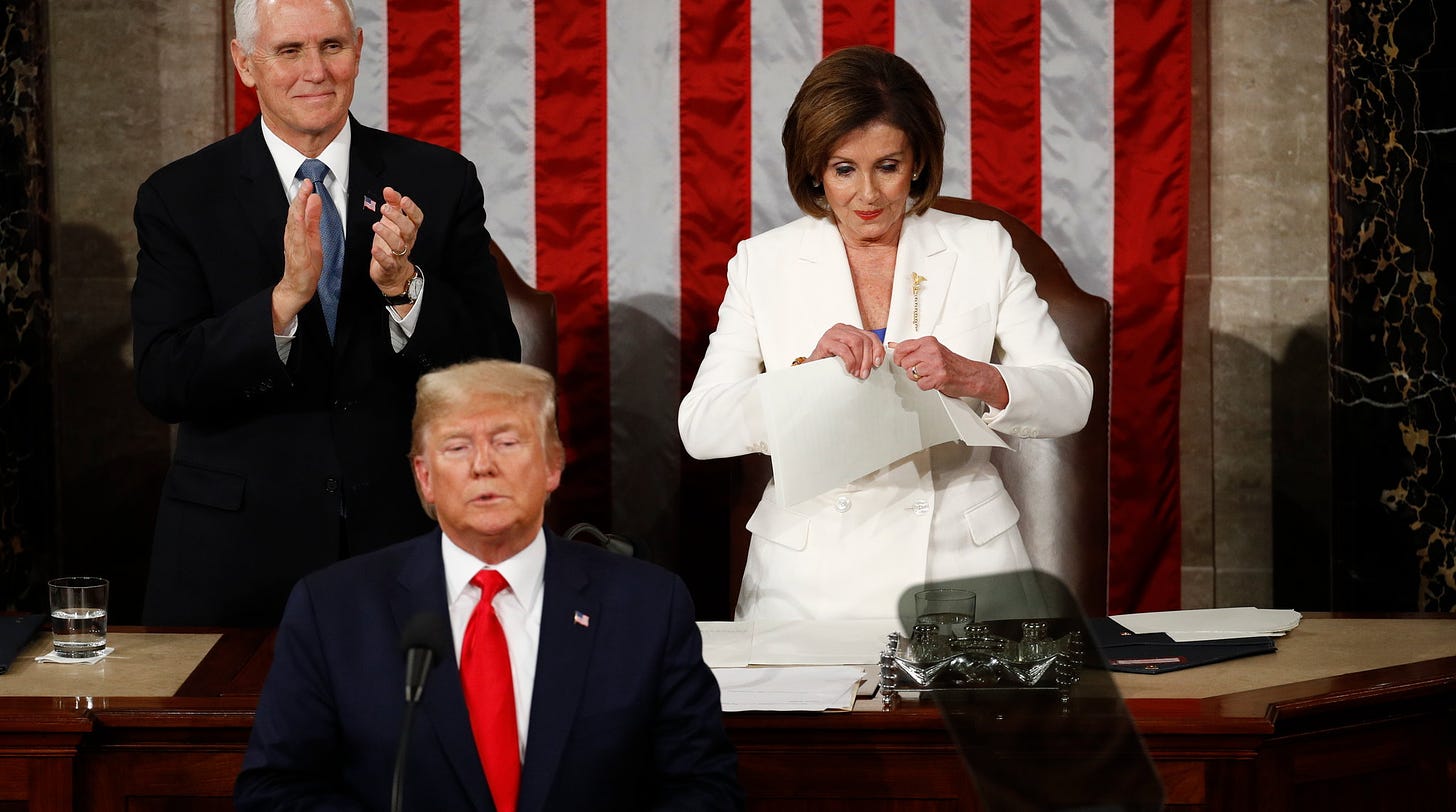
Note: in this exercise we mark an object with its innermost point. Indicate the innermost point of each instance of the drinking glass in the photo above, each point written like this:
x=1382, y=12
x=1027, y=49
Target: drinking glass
x=950, y=610
x=78, y=615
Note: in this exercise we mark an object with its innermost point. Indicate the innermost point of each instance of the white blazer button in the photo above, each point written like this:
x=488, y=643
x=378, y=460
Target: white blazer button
x=842, y=504
x=921, y=507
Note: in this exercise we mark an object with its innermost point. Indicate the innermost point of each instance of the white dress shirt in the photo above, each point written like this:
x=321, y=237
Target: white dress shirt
x=518, y=606
x=287, y=160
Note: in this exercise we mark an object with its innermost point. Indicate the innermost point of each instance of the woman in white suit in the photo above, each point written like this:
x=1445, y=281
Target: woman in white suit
x=871, y=274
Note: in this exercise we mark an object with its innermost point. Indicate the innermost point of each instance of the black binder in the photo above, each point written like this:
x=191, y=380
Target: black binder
x=15, y=633
x=1158, y=653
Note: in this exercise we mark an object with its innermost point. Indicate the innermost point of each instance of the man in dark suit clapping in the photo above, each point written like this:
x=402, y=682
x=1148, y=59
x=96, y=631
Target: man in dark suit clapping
x=294, y=281
x=580, y=685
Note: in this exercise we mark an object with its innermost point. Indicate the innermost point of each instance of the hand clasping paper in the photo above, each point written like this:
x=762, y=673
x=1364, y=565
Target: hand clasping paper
x=827, y=428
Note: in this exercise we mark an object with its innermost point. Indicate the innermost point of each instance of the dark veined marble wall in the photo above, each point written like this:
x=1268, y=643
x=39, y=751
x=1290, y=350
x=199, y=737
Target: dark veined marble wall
x=1393, y=304
x=27, y=496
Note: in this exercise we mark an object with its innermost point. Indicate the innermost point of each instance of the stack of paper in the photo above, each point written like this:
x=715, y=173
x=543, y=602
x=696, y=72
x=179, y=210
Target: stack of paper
x=1158, y=642
x=1190, y=625
x=781, y=688
x=797, y=665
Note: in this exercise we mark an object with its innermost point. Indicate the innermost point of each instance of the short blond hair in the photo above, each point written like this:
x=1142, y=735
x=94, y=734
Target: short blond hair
x=447, y=390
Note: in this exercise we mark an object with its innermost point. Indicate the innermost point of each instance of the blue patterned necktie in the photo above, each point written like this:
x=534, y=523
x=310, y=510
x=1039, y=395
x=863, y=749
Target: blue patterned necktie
x=331, y=234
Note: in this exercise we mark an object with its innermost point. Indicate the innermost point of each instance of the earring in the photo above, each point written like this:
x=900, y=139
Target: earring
x=814, y=182
x=915, y=177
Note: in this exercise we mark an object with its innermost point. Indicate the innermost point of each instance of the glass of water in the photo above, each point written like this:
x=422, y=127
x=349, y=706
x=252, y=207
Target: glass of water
x=949, y=610
x=78, y=615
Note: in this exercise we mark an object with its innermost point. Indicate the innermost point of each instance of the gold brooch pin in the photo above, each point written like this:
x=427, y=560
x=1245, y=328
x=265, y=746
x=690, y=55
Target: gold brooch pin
x=915, y=281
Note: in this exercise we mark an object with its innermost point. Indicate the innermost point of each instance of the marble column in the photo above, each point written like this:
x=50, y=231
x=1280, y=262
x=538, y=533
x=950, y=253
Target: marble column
x=27, y=494
x=1393, y=304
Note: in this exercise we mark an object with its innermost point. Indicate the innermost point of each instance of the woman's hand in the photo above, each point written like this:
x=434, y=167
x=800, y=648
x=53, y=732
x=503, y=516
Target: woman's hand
x=931, y=366
x=860, y=350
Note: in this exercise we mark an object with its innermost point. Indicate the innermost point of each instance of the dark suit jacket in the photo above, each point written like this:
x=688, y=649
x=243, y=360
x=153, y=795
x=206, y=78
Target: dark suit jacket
x=270, y=456
x=624, y=715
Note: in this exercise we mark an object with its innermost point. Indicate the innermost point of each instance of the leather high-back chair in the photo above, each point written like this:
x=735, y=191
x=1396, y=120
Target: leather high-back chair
x=533, y=312
x=1060, y=485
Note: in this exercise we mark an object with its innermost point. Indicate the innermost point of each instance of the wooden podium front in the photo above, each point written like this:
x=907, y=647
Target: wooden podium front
x=1351, y=713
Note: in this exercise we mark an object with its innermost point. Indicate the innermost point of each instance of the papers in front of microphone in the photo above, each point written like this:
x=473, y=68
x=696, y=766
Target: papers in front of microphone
x=806, y=688
x=741, y=643
x=1191, y=625
x=792, y=665
x=826, y=427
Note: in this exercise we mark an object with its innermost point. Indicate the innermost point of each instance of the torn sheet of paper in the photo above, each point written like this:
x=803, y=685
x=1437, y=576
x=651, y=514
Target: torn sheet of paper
x=826, y=427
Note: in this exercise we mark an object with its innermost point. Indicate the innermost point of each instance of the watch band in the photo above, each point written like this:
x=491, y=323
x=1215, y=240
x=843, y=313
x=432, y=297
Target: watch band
x=411, y=290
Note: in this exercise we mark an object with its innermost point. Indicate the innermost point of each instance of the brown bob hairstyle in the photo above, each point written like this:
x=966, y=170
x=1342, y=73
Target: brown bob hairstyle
x=850, y=88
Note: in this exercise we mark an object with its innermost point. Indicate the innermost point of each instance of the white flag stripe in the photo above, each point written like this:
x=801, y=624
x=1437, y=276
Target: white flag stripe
x=643, y=289
x=1076, y=127
x=788, y=42
x=498, y=122
x=371, y=90
x=934, y=36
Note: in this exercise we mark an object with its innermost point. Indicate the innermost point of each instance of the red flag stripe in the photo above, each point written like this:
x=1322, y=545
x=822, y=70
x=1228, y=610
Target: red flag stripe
x=1006, y=106
x=424, y=70
x=716, y=210
x=571, y=239
x=245, y=103
x=1151, y=141
x=716, y=145
x=858, y=22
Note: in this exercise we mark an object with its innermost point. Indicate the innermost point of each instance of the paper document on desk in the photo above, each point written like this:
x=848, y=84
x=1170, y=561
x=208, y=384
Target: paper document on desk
x=726, y=643
x=1192, y=625
x=794, y=642
x=789, y=689
x=827, y=428
x=820, y=642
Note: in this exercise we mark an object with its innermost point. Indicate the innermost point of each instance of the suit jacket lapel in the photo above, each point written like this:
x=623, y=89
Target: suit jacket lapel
x=441, y=713
x=569, y=616
x=921, y=252
x=366, y=172
x=262, y=202
x=821, y=281
x=263, y=205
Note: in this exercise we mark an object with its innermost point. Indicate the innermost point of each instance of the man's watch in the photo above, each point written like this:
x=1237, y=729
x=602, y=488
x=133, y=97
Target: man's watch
x=411, y=291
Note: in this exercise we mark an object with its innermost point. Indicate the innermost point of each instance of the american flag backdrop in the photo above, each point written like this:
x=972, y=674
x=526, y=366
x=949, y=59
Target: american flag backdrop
x=626, y=146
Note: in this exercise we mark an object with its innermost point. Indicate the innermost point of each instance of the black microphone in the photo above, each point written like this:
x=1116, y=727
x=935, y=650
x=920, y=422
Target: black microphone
x=426, y=641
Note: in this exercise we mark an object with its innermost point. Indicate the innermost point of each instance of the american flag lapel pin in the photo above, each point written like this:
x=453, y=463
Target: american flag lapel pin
x=370, y=204
x=580, y=618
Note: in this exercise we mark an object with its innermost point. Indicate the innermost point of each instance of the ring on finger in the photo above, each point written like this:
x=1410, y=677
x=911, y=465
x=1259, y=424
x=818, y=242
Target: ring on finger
x=915, y=372
x=401, y=252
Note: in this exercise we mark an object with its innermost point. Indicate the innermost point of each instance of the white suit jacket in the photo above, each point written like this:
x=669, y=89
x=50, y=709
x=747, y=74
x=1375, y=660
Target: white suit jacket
x=938, y=513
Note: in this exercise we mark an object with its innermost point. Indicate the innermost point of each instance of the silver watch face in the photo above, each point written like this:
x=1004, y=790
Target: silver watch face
x=415, y=286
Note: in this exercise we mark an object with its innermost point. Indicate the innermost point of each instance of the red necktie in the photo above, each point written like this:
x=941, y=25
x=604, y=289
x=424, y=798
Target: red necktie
x=485, y=675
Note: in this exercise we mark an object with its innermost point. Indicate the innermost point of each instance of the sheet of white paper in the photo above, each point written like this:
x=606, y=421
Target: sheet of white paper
x=1212, y=624
x=726, y=643
x=820, y=642
x=826, y=427
x=1194, y=637
x=803, y=688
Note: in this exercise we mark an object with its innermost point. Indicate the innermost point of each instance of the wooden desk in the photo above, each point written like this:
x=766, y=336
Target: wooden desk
x=1350, y=714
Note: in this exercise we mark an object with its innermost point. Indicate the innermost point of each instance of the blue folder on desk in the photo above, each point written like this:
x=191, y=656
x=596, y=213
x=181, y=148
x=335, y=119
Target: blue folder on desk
x=15, y=633
x=1157, y=653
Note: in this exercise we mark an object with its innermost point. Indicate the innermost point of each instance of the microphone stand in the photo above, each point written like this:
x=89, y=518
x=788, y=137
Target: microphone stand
x=426, y=641
x=396, y=799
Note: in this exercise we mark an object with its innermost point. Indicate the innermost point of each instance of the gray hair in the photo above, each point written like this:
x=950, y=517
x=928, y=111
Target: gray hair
x=245, y=21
